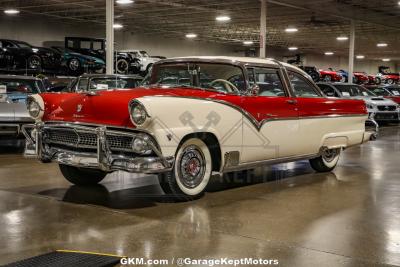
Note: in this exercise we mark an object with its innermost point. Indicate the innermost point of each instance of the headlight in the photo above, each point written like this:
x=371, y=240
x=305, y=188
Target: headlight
x=141, y=144
x=35, y=107
x=138, y=113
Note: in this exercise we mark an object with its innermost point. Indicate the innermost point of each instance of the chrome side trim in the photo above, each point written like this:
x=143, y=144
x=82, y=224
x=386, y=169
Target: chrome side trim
x=258, y=124
x=254, y=164
x=16, y=126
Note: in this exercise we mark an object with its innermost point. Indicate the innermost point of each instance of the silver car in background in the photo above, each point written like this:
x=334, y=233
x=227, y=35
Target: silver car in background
x=14, y=91
x=379, y=109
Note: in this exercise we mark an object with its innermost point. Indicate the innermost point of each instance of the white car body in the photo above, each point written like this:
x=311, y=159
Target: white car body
x=145, y=60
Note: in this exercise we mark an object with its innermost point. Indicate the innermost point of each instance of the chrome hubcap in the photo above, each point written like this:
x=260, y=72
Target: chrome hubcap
x=122, y=66
x=330, y=154
x=191, y=167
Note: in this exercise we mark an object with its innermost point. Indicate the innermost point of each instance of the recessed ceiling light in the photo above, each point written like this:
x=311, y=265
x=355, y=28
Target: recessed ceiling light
x=11, y=11
x=342, y=38
x=118, y=26
x=292, y=48
x=223, y=18
x=382, y=45
x=385, y=59
x=248, y=42
x=360, y=56
x=291, y=30
x=124, y=2
x=191, y=35
x=329, y=53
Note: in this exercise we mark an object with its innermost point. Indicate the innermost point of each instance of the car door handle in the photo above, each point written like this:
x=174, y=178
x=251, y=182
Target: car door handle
x=292, y=101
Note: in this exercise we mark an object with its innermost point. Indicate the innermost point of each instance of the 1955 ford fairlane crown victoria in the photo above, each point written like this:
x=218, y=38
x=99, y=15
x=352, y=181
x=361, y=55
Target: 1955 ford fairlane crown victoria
x=194, y=117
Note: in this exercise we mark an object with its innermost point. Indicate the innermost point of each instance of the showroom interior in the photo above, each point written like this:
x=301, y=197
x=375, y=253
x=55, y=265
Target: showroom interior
x=173, y=172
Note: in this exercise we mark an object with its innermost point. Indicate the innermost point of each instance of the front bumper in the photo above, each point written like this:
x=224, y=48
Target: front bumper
x=384, y=116
x=103, y=158
x=11, y=128
x=371, y=131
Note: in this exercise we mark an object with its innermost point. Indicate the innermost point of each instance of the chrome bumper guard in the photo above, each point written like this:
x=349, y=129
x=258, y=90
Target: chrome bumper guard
x=371, y=130
x=103, y=159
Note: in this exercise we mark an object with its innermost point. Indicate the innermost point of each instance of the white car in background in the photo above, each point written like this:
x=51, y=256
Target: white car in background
x=379, y=108
x=146, y=60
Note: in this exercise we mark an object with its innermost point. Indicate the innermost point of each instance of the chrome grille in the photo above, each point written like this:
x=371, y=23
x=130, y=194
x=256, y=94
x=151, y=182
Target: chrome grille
x=84, y=139
x=386, y=108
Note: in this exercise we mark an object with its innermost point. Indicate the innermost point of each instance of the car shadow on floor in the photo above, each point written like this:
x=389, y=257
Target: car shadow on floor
x=12, y=146
x=144, y=196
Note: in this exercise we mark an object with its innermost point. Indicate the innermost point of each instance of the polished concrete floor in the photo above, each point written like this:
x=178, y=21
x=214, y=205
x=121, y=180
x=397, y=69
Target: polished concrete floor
x=350, y=217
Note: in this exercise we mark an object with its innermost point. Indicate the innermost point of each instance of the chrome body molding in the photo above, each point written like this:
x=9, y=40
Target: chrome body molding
x=102, y=157
x=10, y=129
x=254, y=164
x=258, y=124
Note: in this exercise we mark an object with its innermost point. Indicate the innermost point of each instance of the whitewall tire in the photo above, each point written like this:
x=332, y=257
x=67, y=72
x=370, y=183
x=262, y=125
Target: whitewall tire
x=191, y=173
x=327, y=161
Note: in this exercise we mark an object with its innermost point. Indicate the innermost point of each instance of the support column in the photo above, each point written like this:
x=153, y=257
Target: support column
x=351, y=51
x=263, y=28
x=109, y=36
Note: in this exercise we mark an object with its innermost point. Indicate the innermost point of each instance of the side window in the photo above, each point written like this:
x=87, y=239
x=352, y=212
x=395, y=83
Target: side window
x=83, y=84
x=268, y=81
x=327, y=90
x=301, y=86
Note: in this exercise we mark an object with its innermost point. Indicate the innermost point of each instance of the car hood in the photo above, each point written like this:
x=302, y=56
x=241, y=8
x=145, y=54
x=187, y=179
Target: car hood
x=108, y=107
x=13, y=108
x=86, y=57
x=375, y=100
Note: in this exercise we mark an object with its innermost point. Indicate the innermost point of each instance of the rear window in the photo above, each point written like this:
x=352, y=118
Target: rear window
x=353, y=90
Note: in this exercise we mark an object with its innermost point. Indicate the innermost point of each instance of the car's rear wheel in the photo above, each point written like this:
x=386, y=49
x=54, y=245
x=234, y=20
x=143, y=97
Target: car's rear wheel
x=191, y=173
x=34, y=62
x=327, y=161
x=82, y=176
x=378, y=80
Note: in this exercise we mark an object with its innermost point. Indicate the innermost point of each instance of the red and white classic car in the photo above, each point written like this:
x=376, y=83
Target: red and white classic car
x=194, y=117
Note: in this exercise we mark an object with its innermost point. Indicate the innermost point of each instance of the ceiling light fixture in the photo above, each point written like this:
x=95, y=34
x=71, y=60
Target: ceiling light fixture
x=291, y=30
x=382, y=45
x=223, y=18
x=360, y=56
x=292, y=48
x=191, y=35
x=385, y=59
x=124, y=2
x=118, y=26
x=11, y=11
x=342, y=38
x=248, y=42
x=329, y=53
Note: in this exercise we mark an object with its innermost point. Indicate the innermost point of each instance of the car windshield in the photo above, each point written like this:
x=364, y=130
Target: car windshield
x=113, y=83
x=23, y=45
x=213, y=76
x=394, y=90
x=353, y=90
x=11, y=86
x=380, y=91
x=144, y=54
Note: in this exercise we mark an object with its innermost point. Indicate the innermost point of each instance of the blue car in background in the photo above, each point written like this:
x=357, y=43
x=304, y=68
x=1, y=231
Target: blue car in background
x=14, y=91
x=76, y=64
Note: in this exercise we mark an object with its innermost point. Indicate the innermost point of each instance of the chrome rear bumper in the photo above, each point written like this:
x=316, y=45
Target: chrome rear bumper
x=103, y=158
x=371, y=130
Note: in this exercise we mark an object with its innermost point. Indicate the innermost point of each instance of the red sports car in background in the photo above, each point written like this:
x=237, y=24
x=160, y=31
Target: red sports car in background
x=388, y=77
x=360, y=77
x=330, y=76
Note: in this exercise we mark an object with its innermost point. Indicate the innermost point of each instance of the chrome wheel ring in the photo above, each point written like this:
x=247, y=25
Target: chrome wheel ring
x=192, y=167
x=122, y=66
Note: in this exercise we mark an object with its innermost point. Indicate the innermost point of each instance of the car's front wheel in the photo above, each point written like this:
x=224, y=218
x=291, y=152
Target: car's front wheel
x=34, y=62
x=191, y=173
x=74, y=65
x=390, y=81
x=122, y=66
x=327, y=161
x=82, y=176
